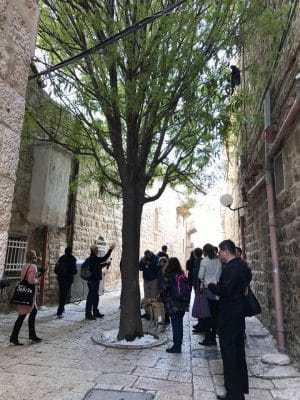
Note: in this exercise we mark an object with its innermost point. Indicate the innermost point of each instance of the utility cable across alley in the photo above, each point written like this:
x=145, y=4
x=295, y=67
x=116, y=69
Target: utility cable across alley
x=107, y=42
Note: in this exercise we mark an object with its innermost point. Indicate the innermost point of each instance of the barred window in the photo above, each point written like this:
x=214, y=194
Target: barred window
x=15, y=255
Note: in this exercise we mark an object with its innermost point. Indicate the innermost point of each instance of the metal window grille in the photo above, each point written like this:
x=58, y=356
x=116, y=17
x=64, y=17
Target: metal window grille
x=15, y=255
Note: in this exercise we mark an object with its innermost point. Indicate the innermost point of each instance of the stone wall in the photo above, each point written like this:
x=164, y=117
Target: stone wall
x=94, y=217
x=18, y=26
x=283, y=92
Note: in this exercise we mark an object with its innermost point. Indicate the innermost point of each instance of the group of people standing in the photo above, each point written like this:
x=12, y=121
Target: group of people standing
x=65, y=269
x=225, y=276
x=221, y=271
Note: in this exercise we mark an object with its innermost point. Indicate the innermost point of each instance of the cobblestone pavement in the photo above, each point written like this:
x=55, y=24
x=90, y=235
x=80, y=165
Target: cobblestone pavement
x=69, y=365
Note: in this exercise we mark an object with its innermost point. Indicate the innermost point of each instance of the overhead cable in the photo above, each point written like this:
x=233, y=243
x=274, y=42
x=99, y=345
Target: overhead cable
x=107, y=42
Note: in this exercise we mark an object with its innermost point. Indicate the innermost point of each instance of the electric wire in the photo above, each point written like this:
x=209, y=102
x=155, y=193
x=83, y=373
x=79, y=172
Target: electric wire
x=107, y=42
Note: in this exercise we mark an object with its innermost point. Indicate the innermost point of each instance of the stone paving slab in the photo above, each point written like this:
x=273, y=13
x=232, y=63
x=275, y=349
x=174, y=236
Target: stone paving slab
x=98, y=394
x=286, y=394
x=68, y=365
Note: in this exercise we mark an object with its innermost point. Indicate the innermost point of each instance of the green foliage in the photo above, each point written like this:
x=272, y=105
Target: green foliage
x=153, y=104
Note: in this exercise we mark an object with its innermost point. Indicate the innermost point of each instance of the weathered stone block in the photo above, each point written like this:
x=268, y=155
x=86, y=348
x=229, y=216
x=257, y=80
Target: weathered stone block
x=3, y=245
x=3, y=10
x=276, y=359
x=9, y=152
x=7, y=191
x=297, y=138
x=11, y=108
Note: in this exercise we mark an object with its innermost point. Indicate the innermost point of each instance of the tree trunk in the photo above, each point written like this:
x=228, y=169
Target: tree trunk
x=130, y=319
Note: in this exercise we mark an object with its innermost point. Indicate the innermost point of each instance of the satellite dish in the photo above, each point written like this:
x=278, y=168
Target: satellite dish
x=226, y=200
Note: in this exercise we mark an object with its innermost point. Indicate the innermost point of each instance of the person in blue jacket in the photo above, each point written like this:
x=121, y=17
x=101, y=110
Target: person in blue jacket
x=149, y=265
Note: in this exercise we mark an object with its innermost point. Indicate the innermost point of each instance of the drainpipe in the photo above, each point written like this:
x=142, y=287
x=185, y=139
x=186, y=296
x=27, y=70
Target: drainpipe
x=273, y=228
x=44, y=267
x=243, y=239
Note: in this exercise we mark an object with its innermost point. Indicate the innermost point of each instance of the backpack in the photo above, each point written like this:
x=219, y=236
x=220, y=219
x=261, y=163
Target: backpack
x=85, y=271
x=181, y=290
x=61, y=268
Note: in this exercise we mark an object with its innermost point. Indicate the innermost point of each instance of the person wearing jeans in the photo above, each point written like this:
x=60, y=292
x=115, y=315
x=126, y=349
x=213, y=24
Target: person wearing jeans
x=175, y=306
x=177, y=328
x=96, y=264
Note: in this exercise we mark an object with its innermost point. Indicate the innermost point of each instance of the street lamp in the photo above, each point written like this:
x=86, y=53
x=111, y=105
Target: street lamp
x=226, y=200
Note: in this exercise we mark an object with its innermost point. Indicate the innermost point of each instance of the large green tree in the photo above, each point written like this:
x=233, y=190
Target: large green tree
x=152, y=105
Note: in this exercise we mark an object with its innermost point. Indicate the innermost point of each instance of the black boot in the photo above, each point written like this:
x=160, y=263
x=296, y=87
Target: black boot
x=35, y=339
x=14, y=338
x=174, y=349
x=31, y=326
x=15, y=341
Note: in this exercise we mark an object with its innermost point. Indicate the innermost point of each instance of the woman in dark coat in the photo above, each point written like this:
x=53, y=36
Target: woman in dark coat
x=65, y=269
x=174, y=306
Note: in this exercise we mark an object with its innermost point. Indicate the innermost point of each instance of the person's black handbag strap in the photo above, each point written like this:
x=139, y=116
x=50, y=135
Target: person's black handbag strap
x=26, y=273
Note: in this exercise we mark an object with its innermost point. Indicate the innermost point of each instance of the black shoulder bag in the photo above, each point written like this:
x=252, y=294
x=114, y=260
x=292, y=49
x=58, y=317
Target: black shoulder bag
x=24, y=292
x=252, y=306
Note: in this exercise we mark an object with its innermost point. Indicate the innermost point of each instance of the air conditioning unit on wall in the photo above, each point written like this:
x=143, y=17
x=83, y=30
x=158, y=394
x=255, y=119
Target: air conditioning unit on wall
x=49, y=185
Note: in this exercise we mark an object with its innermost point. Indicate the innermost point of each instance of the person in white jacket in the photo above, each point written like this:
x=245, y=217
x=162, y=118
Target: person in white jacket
x=210, y=272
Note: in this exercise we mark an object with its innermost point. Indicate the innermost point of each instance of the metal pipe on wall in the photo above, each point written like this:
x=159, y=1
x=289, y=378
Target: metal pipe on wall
x=44, y=267
x=290, y=118
x=242, y=224
x=256, y=186
x=273, y=229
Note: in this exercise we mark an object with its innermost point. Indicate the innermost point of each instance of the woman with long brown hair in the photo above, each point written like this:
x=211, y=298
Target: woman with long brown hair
x=174, y=305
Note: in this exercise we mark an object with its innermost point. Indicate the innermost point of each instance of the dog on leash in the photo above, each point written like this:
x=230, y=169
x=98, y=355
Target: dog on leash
x=155, y=309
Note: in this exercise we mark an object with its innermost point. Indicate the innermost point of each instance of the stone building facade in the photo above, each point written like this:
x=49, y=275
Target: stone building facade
x=18, y=28
x=94, y=219
x=266, y=168
x=87, y=218
x=168, y=221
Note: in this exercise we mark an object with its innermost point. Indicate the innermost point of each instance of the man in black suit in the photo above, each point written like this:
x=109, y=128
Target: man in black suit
x=234, y=279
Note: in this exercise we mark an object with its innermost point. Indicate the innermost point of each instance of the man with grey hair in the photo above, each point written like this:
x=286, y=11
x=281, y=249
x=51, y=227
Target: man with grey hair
x=234, y=279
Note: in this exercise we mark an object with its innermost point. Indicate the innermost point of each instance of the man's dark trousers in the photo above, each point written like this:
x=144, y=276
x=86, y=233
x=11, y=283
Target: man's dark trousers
x=92, y=300
x=232, y=344
x=64, y=285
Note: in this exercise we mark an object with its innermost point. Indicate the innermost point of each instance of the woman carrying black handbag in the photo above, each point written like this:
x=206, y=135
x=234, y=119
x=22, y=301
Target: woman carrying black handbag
x=30, y=273
x=210, y=272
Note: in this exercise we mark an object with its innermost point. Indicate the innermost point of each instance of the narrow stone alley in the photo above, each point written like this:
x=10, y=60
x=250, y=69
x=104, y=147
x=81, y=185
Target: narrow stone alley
x=69, y=365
